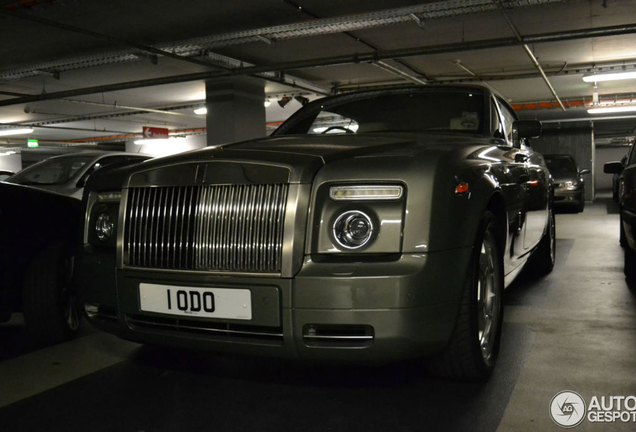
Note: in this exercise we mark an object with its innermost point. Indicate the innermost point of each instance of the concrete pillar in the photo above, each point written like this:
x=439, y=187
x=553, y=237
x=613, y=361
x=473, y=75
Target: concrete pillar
x=235, y=109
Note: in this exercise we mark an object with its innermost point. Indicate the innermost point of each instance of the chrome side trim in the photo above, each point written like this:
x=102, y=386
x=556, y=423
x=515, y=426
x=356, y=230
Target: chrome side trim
x=122, y=220
x=316, y=337
x=296, y=218
x=206, y=329
x=92, y=199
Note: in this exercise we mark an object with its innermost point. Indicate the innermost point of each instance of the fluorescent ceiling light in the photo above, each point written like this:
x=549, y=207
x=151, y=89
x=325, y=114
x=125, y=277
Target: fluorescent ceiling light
x=610, y=76
x=201, y=111
x=612, y=109
x=160, y=140
x=6, y=132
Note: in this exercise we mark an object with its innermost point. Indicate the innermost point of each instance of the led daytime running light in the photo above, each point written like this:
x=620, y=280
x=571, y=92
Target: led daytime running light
x=366, y=192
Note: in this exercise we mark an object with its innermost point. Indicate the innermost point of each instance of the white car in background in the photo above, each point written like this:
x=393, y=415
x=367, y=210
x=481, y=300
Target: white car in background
x=67, y=174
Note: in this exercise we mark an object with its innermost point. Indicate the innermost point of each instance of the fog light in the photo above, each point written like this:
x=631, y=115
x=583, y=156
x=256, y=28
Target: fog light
x=353, y=229
x=104, y=227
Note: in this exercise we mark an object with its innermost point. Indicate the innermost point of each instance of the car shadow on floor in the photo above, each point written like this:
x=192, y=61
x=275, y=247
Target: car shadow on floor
x=530, y=288
x=163, y=389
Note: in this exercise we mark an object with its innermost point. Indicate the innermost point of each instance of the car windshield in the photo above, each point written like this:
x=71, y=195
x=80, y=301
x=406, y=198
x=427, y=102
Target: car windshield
x=560, y=164
x=455, y=110
x=54, y=171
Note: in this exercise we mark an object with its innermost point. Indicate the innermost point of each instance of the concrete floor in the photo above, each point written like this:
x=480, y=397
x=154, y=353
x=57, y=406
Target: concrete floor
x=571, y=330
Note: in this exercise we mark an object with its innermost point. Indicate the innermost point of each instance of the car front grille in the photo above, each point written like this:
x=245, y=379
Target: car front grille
x=233, y=228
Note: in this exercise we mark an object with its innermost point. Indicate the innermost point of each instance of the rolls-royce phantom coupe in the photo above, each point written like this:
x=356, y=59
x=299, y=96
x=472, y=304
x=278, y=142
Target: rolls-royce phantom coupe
x=369, y=227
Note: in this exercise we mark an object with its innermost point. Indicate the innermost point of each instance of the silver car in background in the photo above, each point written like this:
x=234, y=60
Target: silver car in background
x=66, y=174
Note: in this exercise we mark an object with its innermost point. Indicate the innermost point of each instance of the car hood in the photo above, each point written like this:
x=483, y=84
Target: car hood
x=293, y=159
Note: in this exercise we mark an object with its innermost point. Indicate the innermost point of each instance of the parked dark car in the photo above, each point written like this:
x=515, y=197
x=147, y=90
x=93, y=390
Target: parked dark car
x=40, y=232
x=40, y=236
x=569, y=185
x=4, y=174
x=66, y=174
x=370, y=227
x=616, y=177
x=627, y=205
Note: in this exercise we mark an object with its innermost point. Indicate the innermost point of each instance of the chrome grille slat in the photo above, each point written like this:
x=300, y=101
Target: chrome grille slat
x=233, y=228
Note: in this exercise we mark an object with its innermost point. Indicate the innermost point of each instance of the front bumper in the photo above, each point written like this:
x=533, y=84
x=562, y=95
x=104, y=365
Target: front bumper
x=364, y=312
x=564, y=196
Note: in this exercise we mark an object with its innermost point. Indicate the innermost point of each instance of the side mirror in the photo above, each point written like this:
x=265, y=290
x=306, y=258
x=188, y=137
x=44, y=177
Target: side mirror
x=584, y=171
x=525, y=129
x=613, y=168
x=624, y=160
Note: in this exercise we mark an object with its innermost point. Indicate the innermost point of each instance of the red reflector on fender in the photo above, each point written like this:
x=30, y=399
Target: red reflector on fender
x=461, y=188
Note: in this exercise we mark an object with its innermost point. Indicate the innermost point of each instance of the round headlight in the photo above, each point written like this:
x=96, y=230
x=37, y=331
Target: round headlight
x=353, y=229
x=104, y=227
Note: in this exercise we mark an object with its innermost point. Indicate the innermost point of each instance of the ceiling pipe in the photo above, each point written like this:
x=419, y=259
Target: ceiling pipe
x=529, y=52
x=131, y=108
x=580, y=102
x=587, y=119
x=68, y=128
x=395, y=71
x=337, y=60
x=458, y=62
x=65, y=118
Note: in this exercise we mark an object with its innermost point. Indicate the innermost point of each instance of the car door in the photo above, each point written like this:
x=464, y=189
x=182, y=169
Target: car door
x=535, y=184
x=537, y=188
x=513, y=187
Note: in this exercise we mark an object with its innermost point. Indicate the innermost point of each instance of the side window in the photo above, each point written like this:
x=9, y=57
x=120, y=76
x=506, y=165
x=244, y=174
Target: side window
x=109, y=160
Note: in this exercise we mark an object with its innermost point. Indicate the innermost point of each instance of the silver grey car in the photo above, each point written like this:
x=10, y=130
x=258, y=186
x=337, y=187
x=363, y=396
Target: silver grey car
x=370, y=227
x=66, y=174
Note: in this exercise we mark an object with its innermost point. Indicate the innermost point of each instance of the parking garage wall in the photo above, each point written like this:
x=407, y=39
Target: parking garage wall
x=607, y=154
x=576, y=142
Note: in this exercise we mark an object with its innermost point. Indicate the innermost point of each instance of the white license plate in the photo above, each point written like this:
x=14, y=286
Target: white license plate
x=196, y=301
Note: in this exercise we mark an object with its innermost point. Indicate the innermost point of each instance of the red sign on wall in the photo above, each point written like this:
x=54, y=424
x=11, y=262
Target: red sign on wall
x=155, y=132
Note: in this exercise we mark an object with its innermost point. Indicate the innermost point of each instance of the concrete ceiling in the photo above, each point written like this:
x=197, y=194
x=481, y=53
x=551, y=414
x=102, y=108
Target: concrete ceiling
x=56, y=55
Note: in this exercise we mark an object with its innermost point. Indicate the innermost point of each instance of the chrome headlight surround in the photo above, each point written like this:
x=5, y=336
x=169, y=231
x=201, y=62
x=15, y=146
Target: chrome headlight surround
x=361, y=217
x=104, y=227
x=353, y=229
x=102, y=214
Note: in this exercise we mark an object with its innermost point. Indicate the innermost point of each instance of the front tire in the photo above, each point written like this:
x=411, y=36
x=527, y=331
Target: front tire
x=621, y=233
x=51, y=309
x=581, y=205
x=473, y=348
